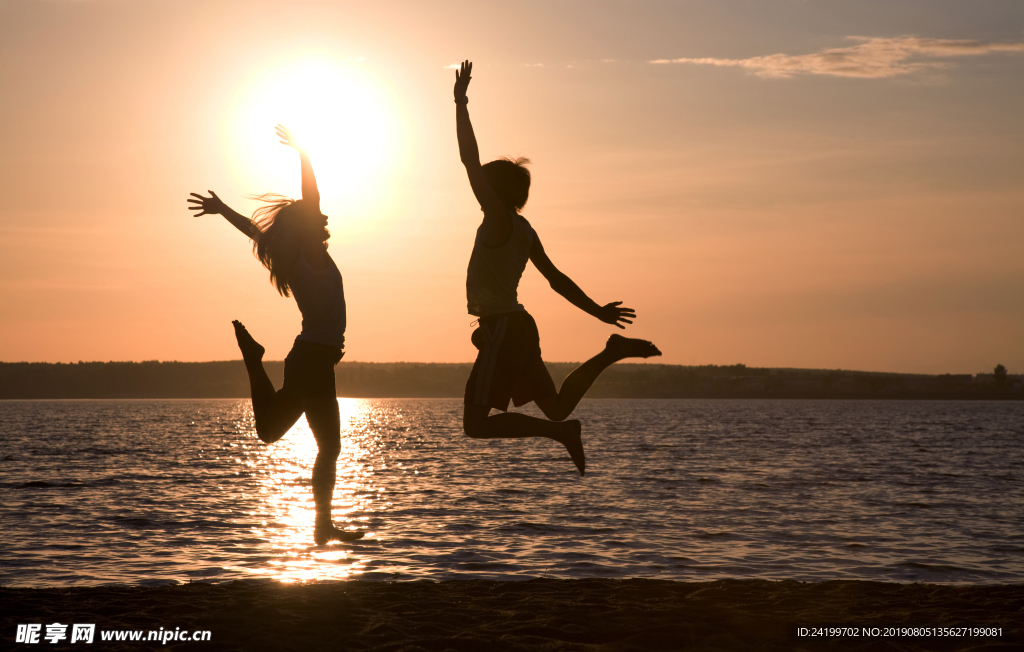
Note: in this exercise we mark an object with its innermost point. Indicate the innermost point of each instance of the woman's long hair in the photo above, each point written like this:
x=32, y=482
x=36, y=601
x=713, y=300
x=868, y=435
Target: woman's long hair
x=277, y=245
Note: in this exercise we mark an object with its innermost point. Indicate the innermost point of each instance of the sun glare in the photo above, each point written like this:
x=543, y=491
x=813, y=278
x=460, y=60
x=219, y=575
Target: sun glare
x=341, y=114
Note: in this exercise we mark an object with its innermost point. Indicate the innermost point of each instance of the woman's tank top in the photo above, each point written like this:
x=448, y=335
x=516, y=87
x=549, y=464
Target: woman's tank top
x=321, y=299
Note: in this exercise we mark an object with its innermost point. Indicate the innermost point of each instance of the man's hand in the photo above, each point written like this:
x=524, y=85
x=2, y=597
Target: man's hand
x=613, y=314
x=288, y=138
x=211, y=205
x=462, y=77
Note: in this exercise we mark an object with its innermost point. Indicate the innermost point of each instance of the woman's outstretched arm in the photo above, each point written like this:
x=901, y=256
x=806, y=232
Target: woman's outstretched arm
x=310, y=193
x=496, y=225
x=213, y=205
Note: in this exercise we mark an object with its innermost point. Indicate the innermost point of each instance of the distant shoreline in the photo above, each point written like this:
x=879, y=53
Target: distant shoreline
x=227, y=379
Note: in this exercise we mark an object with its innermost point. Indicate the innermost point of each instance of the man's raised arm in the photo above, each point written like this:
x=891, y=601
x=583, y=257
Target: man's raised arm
x=496, y=224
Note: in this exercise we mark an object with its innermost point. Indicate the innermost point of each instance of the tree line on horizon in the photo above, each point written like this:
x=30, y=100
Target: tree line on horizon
x=228, y=379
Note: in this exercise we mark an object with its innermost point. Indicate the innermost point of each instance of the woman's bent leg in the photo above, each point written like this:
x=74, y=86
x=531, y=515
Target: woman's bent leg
x=277, y=416
x=275, y=412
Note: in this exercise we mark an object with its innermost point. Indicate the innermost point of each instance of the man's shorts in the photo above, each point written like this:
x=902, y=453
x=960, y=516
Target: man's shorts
x=309, y=370
x=508, y=366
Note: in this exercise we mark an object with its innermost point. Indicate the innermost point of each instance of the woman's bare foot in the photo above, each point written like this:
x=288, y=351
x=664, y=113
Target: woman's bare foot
x=252, y=351
x=627, y=347
x=573, y=443
x=327, y=532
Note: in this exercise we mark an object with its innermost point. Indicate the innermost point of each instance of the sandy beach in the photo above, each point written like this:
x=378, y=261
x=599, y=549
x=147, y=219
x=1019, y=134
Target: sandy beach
x=544, y=614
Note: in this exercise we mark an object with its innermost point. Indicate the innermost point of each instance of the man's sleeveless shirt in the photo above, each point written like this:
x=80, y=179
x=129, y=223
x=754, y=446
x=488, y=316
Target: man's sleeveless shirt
x=492, y=281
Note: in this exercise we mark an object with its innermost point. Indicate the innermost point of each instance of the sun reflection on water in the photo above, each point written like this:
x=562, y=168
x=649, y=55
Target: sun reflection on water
x=284, y=471
x=144, y=492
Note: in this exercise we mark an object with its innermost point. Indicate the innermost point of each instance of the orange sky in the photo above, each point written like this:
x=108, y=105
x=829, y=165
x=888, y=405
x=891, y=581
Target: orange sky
x=777, y=183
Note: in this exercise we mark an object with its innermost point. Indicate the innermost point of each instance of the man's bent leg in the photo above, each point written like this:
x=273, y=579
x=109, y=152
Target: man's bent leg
x=478, y=425
x=578, y=383
x=575, y=386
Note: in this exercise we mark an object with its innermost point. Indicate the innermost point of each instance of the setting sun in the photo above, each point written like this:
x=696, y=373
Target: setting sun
x=340, y=113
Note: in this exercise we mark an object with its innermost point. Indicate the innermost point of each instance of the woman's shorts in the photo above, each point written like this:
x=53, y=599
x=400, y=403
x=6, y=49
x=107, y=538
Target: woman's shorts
x=309, y=370
x=508, y=366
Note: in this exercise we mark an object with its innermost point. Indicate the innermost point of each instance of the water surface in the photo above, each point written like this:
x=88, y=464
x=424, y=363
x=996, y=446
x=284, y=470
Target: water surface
x=150, y=491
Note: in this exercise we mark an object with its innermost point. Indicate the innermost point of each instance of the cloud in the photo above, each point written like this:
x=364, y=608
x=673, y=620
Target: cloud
x=871, y=58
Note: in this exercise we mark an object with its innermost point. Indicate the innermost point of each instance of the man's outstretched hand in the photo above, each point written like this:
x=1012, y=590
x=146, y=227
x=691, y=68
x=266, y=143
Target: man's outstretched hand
x=613, y=314
x=211, y=205
x=462, y=77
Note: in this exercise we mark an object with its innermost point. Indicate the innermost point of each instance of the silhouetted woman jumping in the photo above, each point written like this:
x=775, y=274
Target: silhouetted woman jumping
x=290, y=239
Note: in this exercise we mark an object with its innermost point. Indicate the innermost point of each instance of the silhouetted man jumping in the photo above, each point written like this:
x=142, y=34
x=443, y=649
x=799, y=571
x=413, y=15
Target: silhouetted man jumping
x=509, y=366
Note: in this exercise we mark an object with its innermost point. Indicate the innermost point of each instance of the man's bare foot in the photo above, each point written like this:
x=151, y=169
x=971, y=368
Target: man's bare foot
x=252, y=351
x=628, y=347
x=574, y=444
x=324, y=533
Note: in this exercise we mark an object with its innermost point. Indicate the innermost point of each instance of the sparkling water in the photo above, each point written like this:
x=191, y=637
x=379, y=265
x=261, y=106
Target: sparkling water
x=151, y=491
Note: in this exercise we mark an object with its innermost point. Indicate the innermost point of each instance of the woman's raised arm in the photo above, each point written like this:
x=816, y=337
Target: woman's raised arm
x=310, y=193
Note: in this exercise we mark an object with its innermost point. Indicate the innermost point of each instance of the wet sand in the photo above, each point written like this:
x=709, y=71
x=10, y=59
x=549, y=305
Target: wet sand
x=545, y=614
